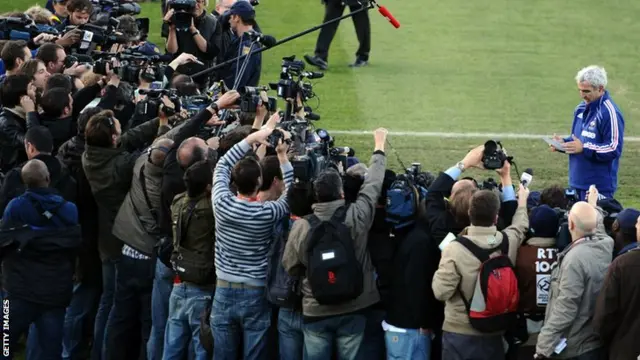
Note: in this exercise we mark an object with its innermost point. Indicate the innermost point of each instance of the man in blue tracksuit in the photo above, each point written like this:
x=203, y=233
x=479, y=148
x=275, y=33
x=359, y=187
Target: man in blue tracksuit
x=596, y=140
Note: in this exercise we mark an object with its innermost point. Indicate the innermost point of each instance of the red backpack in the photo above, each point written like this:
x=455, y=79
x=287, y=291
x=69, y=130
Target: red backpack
x=494, y=304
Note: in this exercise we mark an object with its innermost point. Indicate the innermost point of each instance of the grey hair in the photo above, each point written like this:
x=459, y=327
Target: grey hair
x=594, y=75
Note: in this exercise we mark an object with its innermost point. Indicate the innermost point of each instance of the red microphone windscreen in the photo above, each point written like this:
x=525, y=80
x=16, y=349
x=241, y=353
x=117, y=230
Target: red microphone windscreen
x=383, y=10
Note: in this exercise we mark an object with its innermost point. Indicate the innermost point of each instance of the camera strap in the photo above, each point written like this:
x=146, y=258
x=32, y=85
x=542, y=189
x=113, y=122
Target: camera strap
x=395, y=153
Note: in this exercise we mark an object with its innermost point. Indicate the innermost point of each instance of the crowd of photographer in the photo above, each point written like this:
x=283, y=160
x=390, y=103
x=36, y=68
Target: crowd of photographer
x=155, y=209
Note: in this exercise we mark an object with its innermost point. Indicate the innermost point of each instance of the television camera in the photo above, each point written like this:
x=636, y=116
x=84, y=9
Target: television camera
x=183, y=13
x=292, y=85
x=131, y=63
x=23, y=28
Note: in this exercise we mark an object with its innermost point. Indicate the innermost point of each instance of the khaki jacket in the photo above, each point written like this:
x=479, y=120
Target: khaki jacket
x=459, y=268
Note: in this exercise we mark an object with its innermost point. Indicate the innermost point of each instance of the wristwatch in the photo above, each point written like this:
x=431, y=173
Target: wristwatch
x=214, y=107
x=460, y=165
x=195, y=33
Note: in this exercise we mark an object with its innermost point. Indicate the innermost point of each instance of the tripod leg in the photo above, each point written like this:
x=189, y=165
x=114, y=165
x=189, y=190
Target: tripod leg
x=332, y=9
x=363, y=31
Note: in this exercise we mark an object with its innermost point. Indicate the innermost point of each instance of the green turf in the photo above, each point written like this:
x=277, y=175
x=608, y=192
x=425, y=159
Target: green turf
x=458, y=66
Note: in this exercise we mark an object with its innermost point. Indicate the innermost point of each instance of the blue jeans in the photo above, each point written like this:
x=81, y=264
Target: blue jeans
x=48, y=327
x=131, y=308
x=80, y=309
x=104, y=308
x=412, y=345
x=372, y=347
x=346, y=331
x=240, y=314
x=290, y=336
x=162, y=285
x=187, y=303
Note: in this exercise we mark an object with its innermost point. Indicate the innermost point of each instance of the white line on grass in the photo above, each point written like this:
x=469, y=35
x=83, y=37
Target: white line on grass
x=498, y=136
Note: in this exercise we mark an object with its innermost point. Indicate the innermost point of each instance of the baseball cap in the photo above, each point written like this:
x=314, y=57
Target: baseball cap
x=243, y=9
x=544, y=222
x=628, y=218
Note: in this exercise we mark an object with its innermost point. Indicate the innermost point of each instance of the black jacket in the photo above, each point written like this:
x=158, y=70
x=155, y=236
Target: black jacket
x=89, y=268
x=61, y=129
x=61, y=180
x=12, y=130
x=172, y=173
x=109, y=172
x=412, y=304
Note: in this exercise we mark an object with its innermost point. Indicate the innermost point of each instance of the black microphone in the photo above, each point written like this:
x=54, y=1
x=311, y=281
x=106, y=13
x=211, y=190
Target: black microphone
x=312, y=116
x=266, y=40
x=527, y=177
x=313, y=75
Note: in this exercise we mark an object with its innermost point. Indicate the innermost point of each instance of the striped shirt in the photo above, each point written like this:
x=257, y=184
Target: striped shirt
x=244, y=228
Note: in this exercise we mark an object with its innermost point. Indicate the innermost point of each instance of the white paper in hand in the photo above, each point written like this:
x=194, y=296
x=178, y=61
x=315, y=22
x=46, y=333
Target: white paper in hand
x=447, y=240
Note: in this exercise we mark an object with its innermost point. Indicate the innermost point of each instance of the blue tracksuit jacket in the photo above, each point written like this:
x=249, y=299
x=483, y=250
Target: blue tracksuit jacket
x=600, y=127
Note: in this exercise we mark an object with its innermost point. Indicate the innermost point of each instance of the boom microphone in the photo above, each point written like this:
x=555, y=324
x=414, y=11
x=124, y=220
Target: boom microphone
x=527, y=177
x=383, y=10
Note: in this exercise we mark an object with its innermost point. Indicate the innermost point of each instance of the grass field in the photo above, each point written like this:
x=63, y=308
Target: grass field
x=457, y=66
x=487, y=66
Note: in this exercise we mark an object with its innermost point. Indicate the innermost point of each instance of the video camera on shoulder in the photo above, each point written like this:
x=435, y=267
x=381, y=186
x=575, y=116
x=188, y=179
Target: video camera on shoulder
x=494, y=156
x=23, y=28
x=250, y=99
x=183, y=13
x=151, y=105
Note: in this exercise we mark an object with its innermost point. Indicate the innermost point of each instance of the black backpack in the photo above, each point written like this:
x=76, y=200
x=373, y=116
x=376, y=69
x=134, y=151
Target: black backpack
x=334, y=273
x=283, y=290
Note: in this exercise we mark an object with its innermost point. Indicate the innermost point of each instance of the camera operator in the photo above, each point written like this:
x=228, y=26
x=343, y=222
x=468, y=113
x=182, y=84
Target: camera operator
x=56, y=115
x=340, y=325
x=242, y=19
x=54, y=56
x=79, y=13
x=13, y=121
x=202, y=39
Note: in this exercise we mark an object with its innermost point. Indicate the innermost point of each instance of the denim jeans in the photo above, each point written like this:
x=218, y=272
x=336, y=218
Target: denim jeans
x=240, y=314
x=104, y=308
x=346, y=331
x=162, y=285
x=411, y=345
x=187, y=303
x=372, y=347
x=131, y=308
x=48, y=327
x=77, y=315
x=291, y=338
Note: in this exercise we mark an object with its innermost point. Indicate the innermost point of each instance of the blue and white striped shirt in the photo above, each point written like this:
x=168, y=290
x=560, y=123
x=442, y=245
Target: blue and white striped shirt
x=244, y=229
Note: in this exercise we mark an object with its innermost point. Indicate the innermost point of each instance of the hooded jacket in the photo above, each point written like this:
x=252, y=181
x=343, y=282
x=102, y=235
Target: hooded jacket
x=58, y=174
x=38, y=254
x=359, y=218
x=575, y=284
x=109, y=172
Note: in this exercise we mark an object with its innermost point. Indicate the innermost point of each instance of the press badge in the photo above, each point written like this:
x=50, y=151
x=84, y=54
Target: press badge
x=245, y=50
